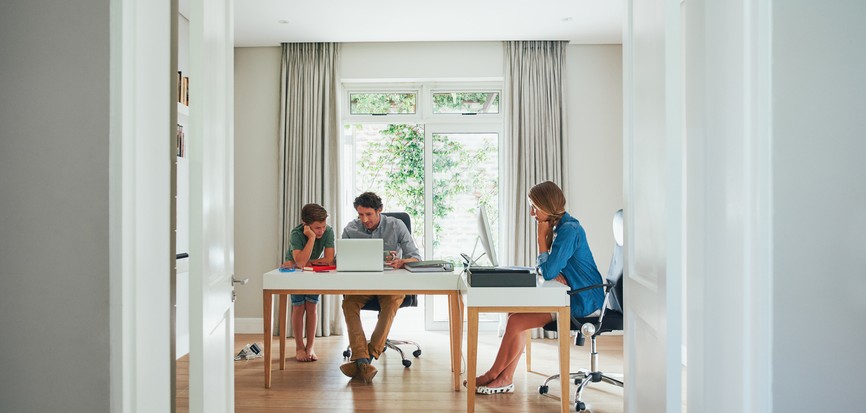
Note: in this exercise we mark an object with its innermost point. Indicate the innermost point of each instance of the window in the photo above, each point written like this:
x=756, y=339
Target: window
x=372, y=103
x=413, y=146
x=466, y=103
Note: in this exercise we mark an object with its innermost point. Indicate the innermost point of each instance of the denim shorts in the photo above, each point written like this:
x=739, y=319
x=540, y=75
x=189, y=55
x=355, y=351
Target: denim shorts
x=298, y=299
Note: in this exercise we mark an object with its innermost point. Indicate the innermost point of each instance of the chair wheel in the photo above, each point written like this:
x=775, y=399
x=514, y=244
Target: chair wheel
x=416, y=353
x=579, y=406
x=543, y=389
x=407, y=363
x=347, y=353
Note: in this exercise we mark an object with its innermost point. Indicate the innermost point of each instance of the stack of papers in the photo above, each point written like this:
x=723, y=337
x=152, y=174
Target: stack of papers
x=430, y=266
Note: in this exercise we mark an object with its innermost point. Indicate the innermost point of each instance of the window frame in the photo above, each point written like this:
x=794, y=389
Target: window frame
x=433, y=123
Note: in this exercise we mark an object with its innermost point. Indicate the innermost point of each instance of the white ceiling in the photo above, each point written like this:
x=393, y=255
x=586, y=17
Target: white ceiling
x=271, y=22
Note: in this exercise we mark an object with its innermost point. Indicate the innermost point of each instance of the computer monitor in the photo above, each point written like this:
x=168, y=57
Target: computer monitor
x=486, y=236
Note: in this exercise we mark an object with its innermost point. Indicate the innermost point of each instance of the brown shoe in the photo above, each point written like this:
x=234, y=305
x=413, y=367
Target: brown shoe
x=367, y=372
x=350, y=369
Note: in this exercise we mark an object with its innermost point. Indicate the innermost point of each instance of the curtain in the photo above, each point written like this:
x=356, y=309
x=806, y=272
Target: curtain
x=535, y=132
x=309, y=148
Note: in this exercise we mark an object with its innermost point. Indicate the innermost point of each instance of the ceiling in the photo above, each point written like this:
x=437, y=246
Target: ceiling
x=271, y=22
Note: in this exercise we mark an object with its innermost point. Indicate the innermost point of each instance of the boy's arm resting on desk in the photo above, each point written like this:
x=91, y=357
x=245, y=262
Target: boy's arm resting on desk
x=328, y=259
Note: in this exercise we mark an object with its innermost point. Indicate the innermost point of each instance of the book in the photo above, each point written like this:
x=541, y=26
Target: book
x=320, y=268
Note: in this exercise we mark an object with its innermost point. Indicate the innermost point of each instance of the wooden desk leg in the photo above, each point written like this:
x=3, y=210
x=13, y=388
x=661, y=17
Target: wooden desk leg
x=460, y=308
x=284, y=298
x=528, y=350
x=472, y=359
x=564, y=325
x=455, y=329
x=267, y=310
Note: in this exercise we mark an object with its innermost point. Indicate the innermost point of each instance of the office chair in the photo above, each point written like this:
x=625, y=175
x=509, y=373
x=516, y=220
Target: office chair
x=610, y=319
x=408, y=301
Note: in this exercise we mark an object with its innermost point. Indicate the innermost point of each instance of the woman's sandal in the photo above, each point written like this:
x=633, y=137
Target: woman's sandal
x=495, y=390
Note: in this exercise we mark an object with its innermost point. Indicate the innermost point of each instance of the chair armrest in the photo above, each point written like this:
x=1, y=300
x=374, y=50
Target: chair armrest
x=606, y=287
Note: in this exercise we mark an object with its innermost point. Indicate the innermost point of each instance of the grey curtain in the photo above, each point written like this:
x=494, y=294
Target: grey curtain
x=309, y=148
x=535, y=131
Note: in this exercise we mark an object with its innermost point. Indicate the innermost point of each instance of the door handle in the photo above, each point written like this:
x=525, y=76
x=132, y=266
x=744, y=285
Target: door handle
x=237, y=281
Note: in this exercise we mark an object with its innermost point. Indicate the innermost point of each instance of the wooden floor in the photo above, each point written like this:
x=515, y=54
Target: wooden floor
x=425, y=386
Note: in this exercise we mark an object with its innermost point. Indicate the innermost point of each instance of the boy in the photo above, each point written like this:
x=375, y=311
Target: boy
x=311, y=242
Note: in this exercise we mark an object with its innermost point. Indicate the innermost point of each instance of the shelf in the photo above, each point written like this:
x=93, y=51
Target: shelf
x=182, y=109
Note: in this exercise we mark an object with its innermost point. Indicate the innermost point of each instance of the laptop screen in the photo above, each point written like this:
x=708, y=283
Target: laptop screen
x=360, y=255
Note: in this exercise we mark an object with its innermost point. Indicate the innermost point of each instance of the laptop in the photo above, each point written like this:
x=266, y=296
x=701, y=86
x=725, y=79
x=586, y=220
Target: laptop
x=360, y=255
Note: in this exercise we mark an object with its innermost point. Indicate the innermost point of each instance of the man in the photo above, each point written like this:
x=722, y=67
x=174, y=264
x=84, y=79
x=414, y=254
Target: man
x=396, y=237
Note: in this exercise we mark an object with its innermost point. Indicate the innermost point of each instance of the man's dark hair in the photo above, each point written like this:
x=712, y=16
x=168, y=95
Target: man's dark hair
x=368, y=200
x=311, y=213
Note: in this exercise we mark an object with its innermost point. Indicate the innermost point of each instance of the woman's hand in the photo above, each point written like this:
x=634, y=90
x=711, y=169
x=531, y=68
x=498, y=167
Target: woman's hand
x=544, y=228
x=561, y=278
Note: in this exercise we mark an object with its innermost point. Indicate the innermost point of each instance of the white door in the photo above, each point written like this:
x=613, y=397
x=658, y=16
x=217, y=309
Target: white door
x=653, y=212
x=211, y=207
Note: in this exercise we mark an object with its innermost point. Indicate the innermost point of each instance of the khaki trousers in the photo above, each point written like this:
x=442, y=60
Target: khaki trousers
x=352, y=305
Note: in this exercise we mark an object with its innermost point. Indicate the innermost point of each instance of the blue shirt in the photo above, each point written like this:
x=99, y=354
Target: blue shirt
x=393, y=232
x=570, y=255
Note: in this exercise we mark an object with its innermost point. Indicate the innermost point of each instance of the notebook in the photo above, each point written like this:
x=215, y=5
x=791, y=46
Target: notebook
x=360, y=255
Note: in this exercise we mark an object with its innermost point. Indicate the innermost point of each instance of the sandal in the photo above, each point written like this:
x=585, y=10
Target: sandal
x=495, y=390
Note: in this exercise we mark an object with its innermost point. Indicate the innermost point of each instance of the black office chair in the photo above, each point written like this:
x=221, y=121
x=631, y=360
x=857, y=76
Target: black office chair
x=408, y=301
x=609, y=320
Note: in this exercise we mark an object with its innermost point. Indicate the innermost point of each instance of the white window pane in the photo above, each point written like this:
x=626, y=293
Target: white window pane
x=466, y=102
x=465, y=176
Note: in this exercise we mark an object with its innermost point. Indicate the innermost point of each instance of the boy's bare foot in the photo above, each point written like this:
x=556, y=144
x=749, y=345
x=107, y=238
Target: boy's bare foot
x=301, y=355
x=311, y=356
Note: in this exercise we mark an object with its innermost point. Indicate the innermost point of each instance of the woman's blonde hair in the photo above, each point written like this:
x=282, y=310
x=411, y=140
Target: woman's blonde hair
x=548, y=198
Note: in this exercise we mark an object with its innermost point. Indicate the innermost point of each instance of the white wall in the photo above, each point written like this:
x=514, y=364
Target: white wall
x=594, y=104
x=595, y=137
x=395, y=61
x=819, y=206
x=257, y=106
x=54, y=206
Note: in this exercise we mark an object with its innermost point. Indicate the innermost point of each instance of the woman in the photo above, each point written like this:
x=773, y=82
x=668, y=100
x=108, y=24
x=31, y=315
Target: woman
x=564, y=255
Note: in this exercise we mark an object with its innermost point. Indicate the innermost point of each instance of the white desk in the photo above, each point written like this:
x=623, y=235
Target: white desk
x=547, y=297
x=372, y=283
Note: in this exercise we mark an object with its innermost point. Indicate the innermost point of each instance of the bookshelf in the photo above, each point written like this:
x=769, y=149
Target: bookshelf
x=182, y=198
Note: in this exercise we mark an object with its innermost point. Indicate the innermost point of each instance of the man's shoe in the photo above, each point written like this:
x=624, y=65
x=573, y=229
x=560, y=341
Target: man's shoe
x=350, y=369
x=367, y=372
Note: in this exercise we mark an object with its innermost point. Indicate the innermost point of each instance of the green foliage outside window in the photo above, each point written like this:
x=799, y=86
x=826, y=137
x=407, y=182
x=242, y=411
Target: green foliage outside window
x=396, y=163
x=382, y=103
x=466, y=102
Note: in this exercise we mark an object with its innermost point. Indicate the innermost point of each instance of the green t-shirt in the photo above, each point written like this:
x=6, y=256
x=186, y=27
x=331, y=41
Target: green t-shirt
x=297, y=241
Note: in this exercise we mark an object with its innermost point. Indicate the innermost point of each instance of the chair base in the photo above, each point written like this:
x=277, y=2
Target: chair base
x=581, y=378
x=394, y=345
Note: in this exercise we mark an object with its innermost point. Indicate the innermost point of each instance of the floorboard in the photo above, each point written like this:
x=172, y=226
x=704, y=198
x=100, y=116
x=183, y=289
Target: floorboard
x=425, y=386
